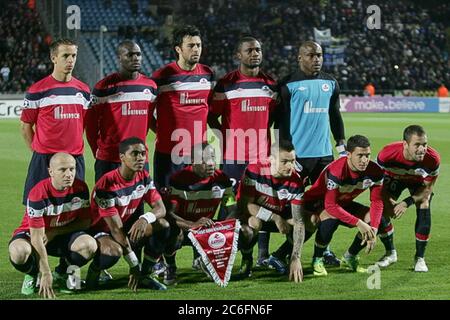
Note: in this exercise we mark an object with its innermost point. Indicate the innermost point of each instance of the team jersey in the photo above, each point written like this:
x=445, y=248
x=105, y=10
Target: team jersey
x=267, y=191
x=245, y=104
x=57, y=109
x=337, y=186
x=182, y=103
x=120, y=109
x=194, y=197
x=50, y=208
x=309, y=105
x=113, y=195
x=395, y=165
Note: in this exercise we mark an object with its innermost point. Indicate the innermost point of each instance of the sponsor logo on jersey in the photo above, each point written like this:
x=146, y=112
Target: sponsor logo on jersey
x=246, y=107
x=128, y=111
x=184, y=99
x=302, y=88
x=216, y=240
x=308, y=108
x=59, y=114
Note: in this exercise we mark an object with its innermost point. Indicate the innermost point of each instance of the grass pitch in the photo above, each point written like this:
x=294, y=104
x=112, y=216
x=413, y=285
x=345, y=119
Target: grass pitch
x=397, y=282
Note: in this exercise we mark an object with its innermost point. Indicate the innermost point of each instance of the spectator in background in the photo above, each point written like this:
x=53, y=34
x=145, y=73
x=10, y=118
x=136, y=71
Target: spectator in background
x=369, y=90
x=442, y=91
x=5, y=72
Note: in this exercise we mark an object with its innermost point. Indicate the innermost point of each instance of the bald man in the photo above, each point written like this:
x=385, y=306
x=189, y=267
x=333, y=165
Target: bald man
x=309, y=108
x=56, y=213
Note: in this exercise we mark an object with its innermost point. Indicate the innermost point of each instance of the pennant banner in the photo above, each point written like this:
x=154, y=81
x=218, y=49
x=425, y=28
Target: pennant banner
x=217, y=246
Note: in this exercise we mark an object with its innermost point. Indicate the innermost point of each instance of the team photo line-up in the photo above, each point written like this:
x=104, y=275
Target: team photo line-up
x=290, y=184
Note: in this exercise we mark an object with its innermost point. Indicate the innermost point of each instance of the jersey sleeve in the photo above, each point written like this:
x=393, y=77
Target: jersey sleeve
x=151, y=195
x=105, y=202
x=30, y=110
x=219, y=99
x=332, y=206
x=376, y=206
x=36, y=208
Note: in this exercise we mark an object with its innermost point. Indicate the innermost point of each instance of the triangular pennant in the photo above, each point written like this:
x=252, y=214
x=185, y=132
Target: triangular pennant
x=217, y=246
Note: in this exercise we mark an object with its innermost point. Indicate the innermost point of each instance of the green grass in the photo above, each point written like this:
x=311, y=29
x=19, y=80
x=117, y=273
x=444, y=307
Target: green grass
x=397, y=282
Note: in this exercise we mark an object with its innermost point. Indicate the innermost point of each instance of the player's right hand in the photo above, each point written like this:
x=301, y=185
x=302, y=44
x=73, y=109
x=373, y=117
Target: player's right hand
x=204, y=222
x=45, y=287
x=400, y=209
x=296, y=271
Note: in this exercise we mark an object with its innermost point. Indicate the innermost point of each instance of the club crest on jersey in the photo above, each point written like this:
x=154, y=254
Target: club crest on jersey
x=79, y=95
x=76, y=203
x=325, y=87
x=147, y=91
x=216, y=240
x=367, y=183
x=203, y=81
x=140, y=189
x=283, y=194
x=331, y=185
x=421, y=172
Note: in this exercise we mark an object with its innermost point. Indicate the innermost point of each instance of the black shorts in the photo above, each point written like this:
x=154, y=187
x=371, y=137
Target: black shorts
x=354, y=208
x=38, y=171
x=395, y=187
x=58, y=247
x=312, y=167
x=163, y=168
x=103, y=166
x=270, y=226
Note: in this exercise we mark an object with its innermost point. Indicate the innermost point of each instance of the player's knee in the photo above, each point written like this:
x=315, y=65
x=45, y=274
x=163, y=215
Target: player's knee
x=19, y=251
x=111, y=249
x=85, y=245
x=424, y=204
x=255, y=223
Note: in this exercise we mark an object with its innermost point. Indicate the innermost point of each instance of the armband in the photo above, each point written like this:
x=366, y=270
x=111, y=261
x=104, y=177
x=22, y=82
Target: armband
x=131, y=259
x=264, y=214
x=149, y=216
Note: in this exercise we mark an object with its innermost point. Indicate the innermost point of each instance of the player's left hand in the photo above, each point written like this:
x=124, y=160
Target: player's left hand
x=296, y=271
x=137, y=231
x=400, y=209
x=135, y=275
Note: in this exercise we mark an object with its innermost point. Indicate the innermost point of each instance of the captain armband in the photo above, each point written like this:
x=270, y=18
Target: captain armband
x=264, y=214
x=409, y=201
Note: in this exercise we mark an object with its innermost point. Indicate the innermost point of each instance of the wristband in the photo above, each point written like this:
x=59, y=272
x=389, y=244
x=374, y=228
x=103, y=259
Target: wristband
x=131, y=259
x=341, y=150
x=409, y=201
x=264, y=214
x=149, y=216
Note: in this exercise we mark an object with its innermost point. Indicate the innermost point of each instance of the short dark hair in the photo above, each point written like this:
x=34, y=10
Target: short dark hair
x=60, y=42
x=413, y=130
x=179, y=33
x=125, y=43
x=124, y=145
x=357, y=141
x=282, y=145
x=243, y=39
x=308, y=44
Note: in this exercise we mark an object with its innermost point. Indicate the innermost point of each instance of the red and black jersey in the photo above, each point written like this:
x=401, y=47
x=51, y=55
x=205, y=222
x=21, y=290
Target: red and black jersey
x=113, y=195
x=392, y=160
x=194, y=197
x=57, y=109
x=337, y=186
x=267, y=191
x=182, y=103
x=50, y=208
x=121, y=108
x=245, y=104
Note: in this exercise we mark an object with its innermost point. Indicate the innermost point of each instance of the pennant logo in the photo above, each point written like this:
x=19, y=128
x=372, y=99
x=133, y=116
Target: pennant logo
x=217, y=246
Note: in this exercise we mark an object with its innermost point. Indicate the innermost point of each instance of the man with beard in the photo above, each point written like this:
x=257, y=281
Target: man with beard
x=409, y=164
